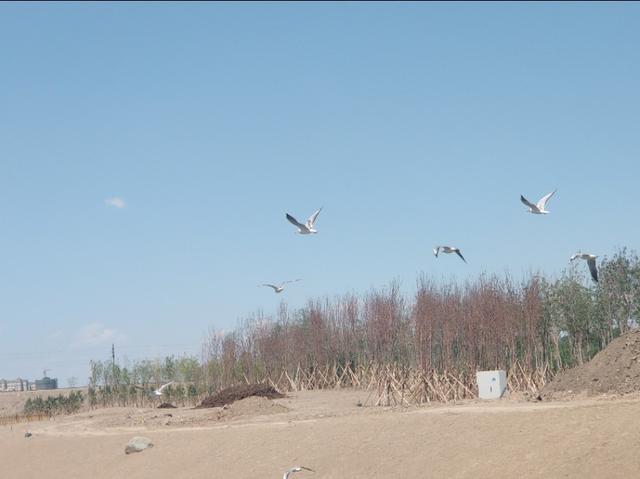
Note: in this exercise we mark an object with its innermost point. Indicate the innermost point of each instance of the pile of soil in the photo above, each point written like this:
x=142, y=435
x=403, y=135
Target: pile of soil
x=235, y=393
x=251, y=406
x=166, y=405
x=614, y=370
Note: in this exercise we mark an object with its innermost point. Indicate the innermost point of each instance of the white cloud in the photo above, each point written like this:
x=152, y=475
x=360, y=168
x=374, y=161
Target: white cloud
x=116, y=202
x=95, y=334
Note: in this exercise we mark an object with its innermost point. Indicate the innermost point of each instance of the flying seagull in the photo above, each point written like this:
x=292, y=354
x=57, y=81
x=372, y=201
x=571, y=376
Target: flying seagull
x=538, y=208
x=279, y=289
x=158, y=392
x=448, y=249
x=308, y=227
x=295, y=469
x=591, y=261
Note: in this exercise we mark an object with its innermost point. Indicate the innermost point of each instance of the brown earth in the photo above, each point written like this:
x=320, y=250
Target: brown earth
x=328, y=432
x=235, y=393
x=251, y=406
x=614, y=370
x=251, y=436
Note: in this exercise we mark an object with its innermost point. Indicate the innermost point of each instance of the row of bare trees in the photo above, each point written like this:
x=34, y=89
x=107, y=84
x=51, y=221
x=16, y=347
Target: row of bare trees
x=540, y=323
x=531, y=328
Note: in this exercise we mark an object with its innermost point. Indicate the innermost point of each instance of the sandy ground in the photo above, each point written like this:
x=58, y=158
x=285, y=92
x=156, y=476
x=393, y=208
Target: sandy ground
x=329, y=432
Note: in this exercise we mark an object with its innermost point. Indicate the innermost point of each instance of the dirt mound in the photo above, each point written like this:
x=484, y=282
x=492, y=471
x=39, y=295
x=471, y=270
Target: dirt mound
x=167, y=405
x=251, y=406
x=235, y=393
x=614, y=370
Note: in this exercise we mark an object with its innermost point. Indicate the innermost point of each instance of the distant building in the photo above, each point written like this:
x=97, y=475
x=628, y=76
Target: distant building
x=7, y=385
x=46, y=383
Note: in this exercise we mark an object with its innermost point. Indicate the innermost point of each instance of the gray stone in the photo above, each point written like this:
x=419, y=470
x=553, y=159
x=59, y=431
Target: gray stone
x=138, y=444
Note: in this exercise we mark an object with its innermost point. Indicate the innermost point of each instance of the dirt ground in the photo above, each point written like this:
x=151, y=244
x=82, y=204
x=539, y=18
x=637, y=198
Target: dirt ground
x=328, y=432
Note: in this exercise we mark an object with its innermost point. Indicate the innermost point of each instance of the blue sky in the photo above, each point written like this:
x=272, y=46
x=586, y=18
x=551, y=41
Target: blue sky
x=412, y=124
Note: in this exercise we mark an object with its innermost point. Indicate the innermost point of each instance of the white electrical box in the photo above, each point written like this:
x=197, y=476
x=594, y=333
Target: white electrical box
x=491, y=384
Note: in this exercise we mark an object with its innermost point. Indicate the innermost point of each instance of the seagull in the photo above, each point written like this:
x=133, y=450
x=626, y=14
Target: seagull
x=307, y=228
x=280, y=289
x=295, y=469
x=591, y=261
x=158, y=392
x=538, y=208
x=448, y=249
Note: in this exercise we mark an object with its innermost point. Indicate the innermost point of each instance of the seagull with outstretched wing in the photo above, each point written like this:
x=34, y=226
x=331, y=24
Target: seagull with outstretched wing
x=158, y=392
x=308, y=227
x=591, y=262
x=448, y=249
x=295, y=469
x=280, y=288
x=539, y=207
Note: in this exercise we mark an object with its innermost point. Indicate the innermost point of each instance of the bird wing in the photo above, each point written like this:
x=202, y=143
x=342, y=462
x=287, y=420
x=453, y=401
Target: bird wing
x=292, y=281
x=543, y=201
x=294, y=221
x=295, y=469
x=460, y=254
x=528, y=203
x=592, y=267
x=275, y=288
x=436, y=250
x=312, y=218
x=164, y=386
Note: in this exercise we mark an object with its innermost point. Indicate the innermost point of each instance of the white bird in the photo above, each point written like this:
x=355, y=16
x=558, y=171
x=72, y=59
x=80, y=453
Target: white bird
x=448, y=249
x=158, y=392
x=280, y=288
x=295, y=469
x=308, y=227
x=591, y=261
x=538, y=208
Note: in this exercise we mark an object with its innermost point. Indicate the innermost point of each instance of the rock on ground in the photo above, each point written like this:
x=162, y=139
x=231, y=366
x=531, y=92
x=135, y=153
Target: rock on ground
x=138, y=444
